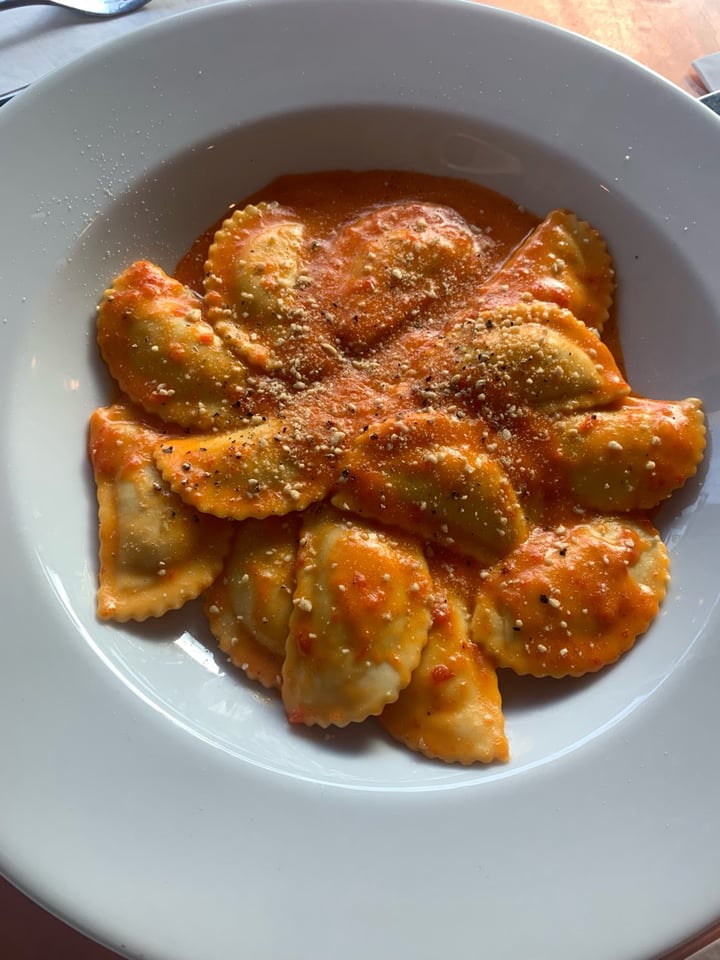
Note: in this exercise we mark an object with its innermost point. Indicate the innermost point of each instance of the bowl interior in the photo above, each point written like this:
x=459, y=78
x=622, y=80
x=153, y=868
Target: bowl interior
x=669, y=333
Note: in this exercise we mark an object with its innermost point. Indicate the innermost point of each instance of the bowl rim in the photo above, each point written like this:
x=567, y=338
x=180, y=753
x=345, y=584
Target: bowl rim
x=21, y=122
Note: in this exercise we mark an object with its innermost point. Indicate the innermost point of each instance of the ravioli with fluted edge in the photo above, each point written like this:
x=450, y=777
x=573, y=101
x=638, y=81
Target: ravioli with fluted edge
x=360, y=619
x=572, y=599
x=378, y=422
x=431, y=475
x=248, y=608
x=564, y=261
x=156, y=551
x=452, y=708
x=164, y=354
x=631, y=455
x=534, y=354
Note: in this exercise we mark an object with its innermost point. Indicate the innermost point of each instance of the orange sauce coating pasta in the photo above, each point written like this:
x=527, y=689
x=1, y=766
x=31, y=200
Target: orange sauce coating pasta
x=410, y=369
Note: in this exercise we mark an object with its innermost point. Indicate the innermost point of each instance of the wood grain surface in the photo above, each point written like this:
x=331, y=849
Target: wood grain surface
x=665, y=35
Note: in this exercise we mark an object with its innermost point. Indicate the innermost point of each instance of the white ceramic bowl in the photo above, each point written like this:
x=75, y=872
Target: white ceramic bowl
x=152, y=798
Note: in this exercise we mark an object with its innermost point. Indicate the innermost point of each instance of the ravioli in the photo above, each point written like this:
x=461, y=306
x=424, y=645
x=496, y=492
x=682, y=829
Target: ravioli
x=156, y=553
x=403, y=258
x=452, y=709
x=271, y=468
x=255, y=276
x=360, y=620
x=571, y=600
x=248, y=607
x=163, y=354
x=428, y=475
x=537, y=355
x=633, y=455
x=563, y=261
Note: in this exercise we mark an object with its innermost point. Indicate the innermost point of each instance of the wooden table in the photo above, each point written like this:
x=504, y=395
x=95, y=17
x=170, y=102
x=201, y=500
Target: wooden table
x=666, y=35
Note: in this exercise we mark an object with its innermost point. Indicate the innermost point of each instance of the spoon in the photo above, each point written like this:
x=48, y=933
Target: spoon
x=92, y=8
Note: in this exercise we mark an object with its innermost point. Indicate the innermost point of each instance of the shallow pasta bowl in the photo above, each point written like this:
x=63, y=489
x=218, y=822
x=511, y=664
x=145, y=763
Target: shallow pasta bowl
x=149, y=796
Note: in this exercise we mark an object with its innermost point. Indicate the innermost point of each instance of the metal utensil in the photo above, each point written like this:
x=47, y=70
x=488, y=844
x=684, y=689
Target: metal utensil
x=712, y=100
x=91, y=8
x=9, y=94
